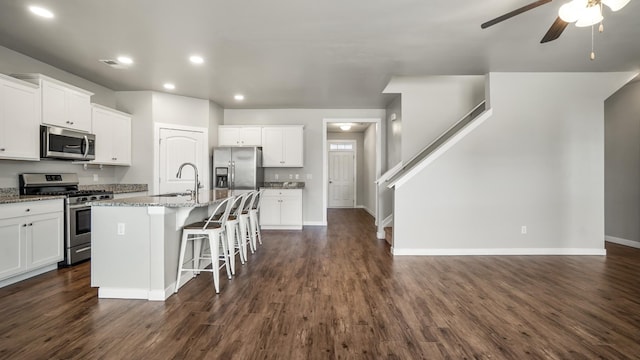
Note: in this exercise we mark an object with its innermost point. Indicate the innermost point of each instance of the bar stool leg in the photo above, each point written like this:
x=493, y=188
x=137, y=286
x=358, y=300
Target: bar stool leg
x=183, y=246
x=225, y=251
x=215, y=255
x=230, y=234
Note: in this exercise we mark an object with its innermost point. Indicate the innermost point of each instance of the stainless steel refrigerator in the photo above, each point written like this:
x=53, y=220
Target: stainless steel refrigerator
x=237, y=168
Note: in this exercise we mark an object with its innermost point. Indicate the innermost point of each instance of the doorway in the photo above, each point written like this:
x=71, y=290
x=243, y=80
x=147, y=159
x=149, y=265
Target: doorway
x=342, y=173
x=372, y=165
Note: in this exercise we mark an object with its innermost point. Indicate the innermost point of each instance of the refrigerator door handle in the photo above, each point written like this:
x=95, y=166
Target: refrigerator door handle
x=233, y=174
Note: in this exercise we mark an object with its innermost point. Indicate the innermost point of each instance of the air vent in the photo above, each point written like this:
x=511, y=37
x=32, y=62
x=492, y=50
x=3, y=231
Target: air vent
x=113, y=63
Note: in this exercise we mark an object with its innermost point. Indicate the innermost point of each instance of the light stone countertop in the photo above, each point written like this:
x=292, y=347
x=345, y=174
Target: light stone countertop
x=206, y=198
x=116, y=188
x=12, y=199
x=283, y=185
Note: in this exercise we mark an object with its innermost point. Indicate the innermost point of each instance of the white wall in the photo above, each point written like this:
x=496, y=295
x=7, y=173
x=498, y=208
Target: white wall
x=312, y=121
x=216, y=117
x=394, y=133
x=369, y=173
x=537, y=162
x=622, y=165
x=12, y=62
x=149, y=108
x=431, y=104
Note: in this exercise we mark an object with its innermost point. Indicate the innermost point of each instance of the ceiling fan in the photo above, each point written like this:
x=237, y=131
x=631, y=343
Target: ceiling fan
x=582, y=12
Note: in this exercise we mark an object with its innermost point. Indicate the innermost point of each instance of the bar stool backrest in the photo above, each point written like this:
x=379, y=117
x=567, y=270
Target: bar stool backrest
x=223, y=209
x=255, y=204
x=238, y=205
x=247, y=204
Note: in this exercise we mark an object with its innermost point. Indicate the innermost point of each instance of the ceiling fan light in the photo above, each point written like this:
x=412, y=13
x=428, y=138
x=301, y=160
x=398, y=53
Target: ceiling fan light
x=590, y=16
x=615, y=5
x=568, y=13
x=345, y=127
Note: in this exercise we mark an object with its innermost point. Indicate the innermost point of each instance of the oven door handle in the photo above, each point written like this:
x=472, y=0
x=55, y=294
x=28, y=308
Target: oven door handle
x=83, y=249
x=76, y=207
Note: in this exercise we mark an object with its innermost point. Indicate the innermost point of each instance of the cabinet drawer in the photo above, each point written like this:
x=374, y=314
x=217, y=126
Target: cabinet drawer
x=30, y=208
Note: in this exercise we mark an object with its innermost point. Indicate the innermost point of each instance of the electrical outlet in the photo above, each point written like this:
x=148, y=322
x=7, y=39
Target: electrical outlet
x=120, y=228
x=523, y=230
x=290, y=176
x=276, y=176
x=95, y=177
x=297, y=176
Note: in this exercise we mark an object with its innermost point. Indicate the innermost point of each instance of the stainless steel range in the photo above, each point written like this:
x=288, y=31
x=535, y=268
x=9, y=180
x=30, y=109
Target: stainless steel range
x=77, y=230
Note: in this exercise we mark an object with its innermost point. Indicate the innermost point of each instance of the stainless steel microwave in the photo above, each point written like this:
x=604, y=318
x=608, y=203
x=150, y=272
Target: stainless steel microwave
x=60, y=143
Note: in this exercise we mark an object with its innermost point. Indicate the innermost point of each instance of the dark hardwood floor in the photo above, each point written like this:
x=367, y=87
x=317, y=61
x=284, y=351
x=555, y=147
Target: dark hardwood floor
x=337, y=293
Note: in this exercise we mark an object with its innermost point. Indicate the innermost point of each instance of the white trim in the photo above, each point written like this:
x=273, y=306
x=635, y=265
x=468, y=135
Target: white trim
x=315, y=223
x=442, y=149
x=281, y=227
x=503, y=251
x=120, y=293
x=387, y=221
x=622, y=241
x=354, y=151
x=325, y=165
x=389, y=174
x=27, y=275
x=367, y=210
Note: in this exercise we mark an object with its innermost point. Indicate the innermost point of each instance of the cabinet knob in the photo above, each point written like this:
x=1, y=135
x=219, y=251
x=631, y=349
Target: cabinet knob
x=30, y=224
x=24, y=225
x=1, y=149
x=27, y=210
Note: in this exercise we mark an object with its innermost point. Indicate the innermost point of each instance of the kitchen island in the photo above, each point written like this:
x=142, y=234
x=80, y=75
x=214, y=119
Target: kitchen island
x=136, y=242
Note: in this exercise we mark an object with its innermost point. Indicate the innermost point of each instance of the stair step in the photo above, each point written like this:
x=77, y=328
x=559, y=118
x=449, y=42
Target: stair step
x=388, y=234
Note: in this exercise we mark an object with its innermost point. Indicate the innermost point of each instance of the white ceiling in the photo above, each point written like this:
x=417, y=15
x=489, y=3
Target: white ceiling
x=306, y=53
x=355, y=127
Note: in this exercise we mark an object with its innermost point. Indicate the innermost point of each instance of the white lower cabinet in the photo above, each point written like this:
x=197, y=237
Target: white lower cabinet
x=281, y=209
x=31, y=239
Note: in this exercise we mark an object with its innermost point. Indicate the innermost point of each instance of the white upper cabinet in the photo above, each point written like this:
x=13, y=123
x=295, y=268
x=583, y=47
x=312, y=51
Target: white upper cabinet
x=19, y=119
x=239, y=135
x=283, y=146
x=113, y=136
x=63, y=105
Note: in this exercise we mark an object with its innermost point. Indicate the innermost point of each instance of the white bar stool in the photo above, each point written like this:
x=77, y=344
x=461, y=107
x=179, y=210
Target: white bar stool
x=214, y=232
x=254, y=218
x=234, y=233
x=244, y=228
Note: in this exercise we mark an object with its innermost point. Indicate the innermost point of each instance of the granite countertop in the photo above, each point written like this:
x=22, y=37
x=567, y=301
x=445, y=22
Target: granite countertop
x=116, y=188
x=283, y=185
x=206, y=198
x=11, y=199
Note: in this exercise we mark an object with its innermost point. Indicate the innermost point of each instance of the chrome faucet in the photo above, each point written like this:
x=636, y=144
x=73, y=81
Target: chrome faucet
x=196, y=184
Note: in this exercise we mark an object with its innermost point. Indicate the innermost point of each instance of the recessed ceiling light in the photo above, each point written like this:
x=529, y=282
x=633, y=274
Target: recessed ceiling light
x=169, y=86
x=196, y=59
x=125, y=60
x=345, y=127
x=239, y=97
x=40, y=11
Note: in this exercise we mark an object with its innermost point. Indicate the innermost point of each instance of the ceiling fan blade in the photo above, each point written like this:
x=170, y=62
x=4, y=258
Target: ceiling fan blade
x=555, y=30
x=513, y=13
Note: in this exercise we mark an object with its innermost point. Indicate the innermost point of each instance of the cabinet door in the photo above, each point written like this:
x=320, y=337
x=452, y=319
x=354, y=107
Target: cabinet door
x=103, y=129
x=272, y=148
x=79, y=111
x=44, y=244
x=19, y=122
x=122, y=140
x=293, y=147
x=250, y=136
x=54, y=104
x=291, y=210
x=228, y=136
x=12, y=247
x=270, y=210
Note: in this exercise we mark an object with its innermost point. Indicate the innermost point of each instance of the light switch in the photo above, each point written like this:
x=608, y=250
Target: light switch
x=120, y=228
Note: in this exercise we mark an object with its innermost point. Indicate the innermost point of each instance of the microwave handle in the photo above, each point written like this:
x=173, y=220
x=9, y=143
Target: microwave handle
x=86, y=146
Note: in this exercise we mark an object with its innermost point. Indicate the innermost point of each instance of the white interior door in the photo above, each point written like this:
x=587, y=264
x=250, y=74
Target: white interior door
x=342, y=178
x=177, y=147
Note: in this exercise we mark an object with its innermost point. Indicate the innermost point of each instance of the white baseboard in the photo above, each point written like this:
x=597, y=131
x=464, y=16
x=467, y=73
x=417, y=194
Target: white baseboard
x=621, y=241
x=514, y=251
x=30, y=274
x=366, y=209
x=381, y=235
x=119, y=293
x=280, y=227
x=315, y=223
x=387, y=221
